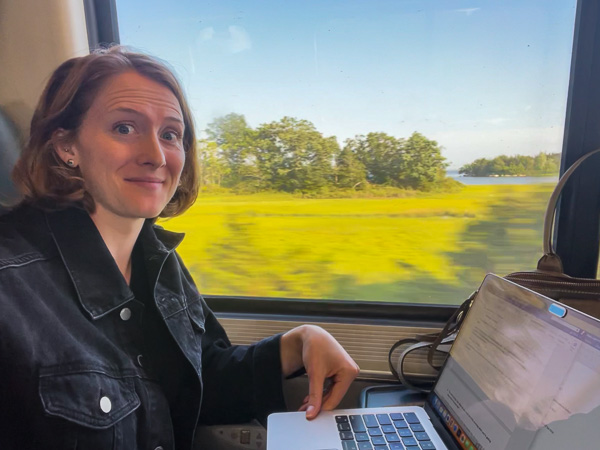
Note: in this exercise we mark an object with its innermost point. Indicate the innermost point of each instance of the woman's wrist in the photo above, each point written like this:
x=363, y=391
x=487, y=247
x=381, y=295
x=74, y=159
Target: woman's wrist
x=291, y=350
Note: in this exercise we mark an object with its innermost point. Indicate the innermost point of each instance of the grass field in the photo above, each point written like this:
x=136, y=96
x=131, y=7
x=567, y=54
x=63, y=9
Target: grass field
x=432, y=248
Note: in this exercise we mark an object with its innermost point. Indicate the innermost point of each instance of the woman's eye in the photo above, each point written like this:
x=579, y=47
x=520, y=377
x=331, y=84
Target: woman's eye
x=170, y=135
x=124, y=128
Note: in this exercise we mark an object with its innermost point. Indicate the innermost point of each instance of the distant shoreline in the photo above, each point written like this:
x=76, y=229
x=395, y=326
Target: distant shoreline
x=506, y=179
x=506, y=176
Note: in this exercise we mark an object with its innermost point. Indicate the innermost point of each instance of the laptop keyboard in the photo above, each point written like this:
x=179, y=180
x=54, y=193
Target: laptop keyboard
x=394, y=431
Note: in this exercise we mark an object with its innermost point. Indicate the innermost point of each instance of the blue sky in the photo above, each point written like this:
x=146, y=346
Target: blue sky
x=482, y=77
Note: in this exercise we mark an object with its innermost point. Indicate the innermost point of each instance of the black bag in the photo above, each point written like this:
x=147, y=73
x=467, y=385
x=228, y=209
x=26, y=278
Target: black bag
x=548, y=279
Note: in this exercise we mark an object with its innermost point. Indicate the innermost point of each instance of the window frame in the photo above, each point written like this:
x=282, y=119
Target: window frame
x=347, y=311
x=101, y=22
x=576, y=233
x=577, y=227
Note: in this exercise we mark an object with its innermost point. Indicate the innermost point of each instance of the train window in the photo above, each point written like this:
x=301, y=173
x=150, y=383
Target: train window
x=368, y=150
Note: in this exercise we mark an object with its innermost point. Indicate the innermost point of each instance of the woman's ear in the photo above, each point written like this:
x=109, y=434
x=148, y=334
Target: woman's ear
x=64, y=147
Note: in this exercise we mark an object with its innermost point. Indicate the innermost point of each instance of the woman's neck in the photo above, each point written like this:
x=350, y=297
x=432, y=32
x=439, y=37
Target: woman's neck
x=119, y=235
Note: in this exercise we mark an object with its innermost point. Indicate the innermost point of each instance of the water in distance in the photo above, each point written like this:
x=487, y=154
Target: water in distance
x=500, y=180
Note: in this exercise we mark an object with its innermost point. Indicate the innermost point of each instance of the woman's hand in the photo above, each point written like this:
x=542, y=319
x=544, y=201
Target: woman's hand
x=323, y=358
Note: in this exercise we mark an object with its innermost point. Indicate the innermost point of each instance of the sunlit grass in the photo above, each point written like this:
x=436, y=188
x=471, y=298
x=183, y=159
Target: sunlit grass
x=280, y=245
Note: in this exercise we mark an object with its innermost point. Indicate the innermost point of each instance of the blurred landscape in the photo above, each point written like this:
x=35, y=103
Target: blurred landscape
x=424, y=247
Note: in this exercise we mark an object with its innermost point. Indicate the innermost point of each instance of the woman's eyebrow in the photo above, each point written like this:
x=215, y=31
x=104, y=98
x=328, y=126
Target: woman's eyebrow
x=137, y=113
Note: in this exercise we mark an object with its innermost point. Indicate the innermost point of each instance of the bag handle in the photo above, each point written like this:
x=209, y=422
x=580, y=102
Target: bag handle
x=424, y=386
x=431, y=341
x=451, y=328
x=551, y=210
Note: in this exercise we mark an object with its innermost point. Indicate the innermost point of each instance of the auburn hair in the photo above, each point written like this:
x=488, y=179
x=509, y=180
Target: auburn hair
x=43, y=178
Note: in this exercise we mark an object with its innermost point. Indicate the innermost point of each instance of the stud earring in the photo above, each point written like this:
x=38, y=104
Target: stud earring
x=70, y=163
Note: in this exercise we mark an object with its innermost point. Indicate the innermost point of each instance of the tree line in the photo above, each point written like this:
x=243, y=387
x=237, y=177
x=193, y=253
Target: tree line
x=539, y=165
x=291, y=155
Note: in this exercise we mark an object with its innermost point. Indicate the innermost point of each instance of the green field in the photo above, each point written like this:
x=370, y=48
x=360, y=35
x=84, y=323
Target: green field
x=432, y=248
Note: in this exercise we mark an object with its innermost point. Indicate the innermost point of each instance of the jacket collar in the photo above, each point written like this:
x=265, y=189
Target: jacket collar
x=98, y=282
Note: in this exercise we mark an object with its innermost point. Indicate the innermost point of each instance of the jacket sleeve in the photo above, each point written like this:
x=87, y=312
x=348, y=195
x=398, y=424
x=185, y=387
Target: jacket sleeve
x=240, y=382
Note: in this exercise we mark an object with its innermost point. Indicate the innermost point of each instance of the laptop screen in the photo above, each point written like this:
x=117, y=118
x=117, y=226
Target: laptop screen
x=523, y=373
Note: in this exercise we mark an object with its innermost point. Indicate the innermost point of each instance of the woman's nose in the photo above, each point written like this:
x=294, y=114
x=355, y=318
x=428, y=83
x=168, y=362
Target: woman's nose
x=151, y=152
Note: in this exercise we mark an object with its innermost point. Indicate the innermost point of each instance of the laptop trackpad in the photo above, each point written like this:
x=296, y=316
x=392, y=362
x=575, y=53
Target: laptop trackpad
x=295, y=432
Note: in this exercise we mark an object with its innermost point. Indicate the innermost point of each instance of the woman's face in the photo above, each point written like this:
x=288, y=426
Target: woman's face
x=129, y=147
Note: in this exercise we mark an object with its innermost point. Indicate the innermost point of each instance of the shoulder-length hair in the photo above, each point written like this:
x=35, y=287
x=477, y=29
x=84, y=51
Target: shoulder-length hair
x=43, y=178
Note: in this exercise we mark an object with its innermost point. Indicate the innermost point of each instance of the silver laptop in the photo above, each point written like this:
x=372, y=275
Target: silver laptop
x=523, y=374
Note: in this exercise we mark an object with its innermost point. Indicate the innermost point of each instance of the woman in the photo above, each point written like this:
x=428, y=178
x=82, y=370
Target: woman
x=105, y=341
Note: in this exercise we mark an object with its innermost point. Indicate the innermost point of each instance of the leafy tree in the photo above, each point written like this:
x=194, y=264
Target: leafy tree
x=212, y=166
x=350, y=172
x=236, y=143
x=541, y=164
x=381, y=154
x=415, y=163
x=292, y=155
x=423, y=162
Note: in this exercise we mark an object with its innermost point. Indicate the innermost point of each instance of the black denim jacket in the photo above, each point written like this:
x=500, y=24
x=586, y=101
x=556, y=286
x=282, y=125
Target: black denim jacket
x=71, y=371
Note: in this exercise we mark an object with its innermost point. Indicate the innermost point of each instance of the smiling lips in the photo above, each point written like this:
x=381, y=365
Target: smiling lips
x=147, y=182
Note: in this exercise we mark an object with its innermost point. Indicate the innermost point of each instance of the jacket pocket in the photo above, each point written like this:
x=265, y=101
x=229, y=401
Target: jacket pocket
x=93, y=401
x=196, y=314
x=193, y=347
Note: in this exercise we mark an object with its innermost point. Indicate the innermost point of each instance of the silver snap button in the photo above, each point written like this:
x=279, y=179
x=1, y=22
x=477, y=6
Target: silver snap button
x=125, y=314
x=105, y=404
x=158, y=448
x=140, y=360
